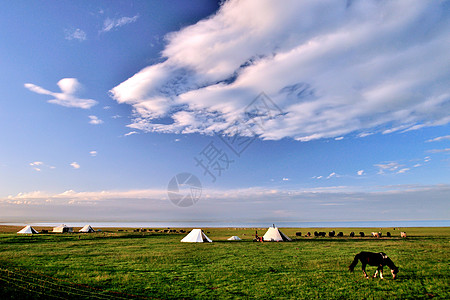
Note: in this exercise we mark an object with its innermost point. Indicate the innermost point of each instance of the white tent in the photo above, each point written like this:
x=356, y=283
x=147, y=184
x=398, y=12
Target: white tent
x=62, y=228
x=196, y=236
x=27, y=230
x=86, y=229
x=234, y=238
x=273, y=234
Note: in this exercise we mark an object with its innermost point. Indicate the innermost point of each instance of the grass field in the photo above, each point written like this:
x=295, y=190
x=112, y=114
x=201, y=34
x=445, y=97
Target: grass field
x=123, y=265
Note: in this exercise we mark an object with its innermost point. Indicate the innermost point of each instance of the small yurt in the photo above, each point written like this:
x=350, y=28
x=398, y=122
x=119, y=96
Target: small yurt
x=28, y=230
x=62, y=228
x=196, y=236
x=273, y=234
x=86, y=229
x=234, y=238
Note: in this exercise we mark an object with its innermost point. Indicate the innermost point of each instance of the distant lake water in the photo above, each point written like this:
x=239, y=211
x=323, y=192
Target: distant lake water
x=259, y=224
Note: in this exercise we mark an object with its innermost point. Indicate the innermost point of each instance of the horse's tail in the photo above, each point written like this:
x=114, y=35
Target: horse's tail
x=354, y=263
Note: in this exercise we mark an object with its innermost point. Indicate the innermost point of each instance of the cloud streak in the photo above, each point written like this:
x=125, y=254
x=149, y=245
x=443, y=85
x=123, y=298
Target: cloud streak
x=69, y=88
x=334, y=67
x=110, y=24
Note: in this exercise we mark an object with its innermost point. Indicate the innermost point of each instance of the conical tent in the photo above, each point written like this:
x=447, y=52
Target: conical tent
x=28, y=230
x=273, y=234
x=234, y=238
x=196, y=236
x=86, y=229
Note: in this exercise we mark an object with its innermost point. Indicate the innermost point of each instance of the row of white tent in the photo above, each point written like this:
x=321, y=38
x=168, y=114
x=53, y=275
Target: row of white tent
x=273, y=234
x=59, y=229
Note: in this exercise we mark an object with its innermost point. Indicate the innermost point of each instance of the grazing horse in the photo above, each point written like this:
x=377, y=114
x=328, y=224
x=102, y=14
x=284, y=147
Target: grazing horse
x=374, y=259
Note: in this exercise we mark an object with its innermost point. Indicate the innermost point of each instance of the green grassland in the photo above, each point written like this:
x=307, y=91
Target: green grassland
x=117, y=264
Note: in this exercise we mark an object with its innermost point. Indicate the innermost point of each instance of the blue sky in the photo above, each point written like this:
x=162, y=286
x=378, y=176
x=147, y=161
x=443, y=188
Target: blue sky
x=103, y=103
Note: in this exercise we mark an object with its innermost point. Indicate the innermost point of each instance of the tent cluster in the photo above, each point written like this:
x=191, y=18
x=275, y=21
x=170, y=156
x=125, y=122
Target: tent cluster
x=58, y=229
x=273, y=234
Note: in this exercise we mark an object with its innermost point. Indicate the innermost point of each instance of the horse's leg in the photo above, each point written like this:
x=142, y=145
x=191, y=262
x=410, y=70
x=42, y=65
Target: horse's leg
x=381, y=272
x=364, y=270
x=375, y=274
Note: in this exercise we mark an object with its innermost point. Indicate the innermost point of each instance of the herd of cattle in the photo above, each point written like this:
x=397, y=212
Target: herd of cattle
x=352, y=234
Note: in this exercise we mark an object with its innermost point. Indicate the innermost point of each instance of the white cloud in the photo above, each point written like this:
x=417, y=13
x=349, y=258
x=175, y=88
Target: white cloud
x=110, y=24
x=76, y=34
x=360, y=172
x=285, y=179
x=446, y=150
x=333, y=67
x=69, y=88
x=364, y=134
x=391, y=166
x=440, y=138
x=38, y=165
x=332, y=175
x=93, y=153
x=94, y=120
x=130, y=133
x=404, y=170
x=75, y=165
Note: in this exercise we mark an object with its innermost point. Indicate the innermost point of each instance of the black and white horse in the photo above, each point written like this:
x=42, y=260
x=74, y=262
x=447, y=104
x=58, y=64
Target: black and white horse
x=374, y=259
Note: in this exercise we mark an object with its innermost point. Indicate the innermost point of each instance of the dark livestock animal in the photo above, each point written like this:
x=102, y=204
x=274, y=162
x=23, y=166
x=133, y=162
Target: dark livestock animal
x=331, y=233
x=374, y=259
x=352, y=234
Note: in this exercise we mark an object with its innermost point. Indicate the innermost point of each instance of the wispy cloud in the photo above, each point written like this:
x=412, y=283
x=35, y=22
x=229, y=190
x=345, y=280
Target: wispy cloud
x=403, y=170
x=75, y=165
x=332, y=175
x=93, y=153
x=39, y=165
x=69, y=88
x=94, y=120
x=360, y=172
x=446, y=150
x=391, y=166
x=130, y=133
x=440, y=138
x=76, y=34
x=340, y=67
x=110, y=24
